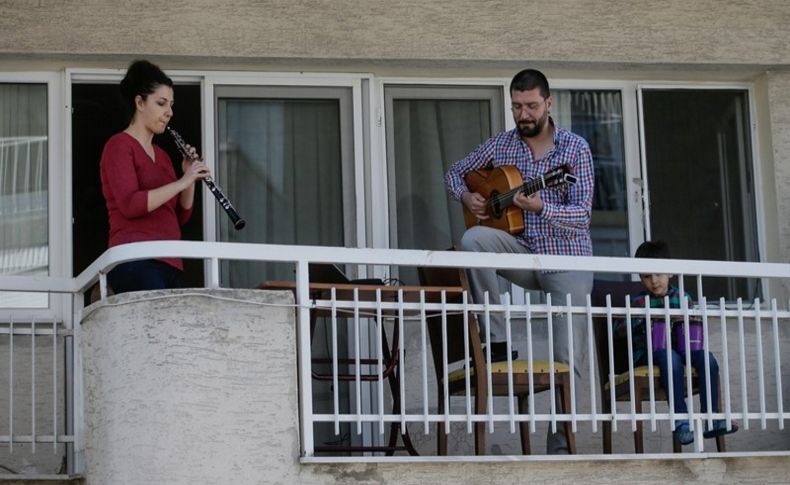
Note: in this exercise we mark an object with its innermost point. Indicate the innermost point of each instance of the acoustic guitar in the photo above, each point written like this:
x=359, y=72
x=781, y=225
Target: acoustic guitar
x=499, y=185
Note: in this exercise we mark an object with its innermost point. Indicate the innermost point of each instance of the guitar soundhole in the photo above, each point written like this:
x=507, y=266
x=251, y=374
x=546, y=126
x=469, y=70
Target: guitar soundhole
x=496, y=205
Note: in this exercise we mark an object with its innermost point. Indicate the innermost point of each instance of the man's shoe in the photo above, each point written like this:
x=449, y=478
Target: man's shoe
x=683, y=434
x=499, y=352
x=719, y=429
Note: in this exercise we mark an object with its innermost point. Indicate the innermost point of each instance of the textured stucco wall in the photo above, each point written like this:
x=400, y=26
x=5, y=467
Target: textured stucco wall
x=191, y=389
x=617, y=31
x=779, y=102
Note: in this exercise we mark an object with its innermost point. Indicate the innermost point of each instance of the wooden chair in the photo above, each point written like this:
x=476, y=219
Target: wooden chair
x=478, y=374
x=618, y=291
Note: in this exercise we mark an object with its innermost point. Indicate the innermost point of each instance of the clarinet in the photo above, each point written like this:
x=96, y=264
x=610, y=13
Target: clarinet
x=238, y=222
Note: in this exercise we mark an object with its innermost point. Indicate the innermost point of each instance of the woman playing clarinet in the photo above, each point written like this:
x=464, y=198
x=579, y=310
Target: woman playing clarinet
x=145, y=199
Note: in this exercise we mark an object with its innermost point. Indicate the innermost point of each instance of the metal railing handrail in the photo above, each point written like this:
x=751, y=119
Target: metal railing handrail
x=378, y=256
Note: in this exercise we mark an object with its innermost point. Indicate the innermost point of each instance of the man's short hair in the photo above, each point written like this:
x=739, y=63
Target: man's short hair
x=653, y=249
x=529, y=79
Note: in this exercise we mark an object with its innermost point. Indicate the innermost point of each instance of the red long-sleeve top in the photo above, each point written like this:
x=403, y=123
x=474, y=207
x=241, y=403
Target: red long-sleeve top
x=127, y=174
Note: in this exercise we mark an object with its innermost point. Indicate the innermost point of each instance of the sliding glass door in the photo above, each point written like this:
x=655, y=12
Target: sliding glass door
x=699, y=171
x=285, y=161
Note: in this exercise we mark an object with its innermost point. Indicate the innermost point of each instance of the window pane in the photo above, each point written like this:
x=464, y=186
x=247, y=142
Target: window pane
x=429, y=135
x=24, y=235
x=280, y=162
x=700, y=179
x=428, y=129
x=597, y=116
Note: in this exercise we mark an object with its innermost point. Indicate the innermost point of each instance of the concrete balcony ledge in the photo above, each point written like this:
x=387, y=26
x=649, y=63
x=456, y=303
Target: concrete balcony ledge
x=591, y=471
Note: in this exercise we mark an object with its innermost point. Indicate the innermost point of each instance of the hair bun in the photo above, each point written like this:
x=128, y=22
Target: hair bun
x=142, y=78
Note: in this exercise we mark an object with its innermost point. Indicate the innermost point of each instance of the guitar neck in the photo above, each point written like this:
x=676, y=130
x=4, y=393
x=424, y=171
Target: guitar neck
x=532, y=186
x=527, y=188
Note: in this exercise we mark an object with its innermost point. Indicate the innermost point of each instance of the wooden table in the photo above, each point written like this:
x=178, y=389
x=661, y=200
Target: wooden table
x=367, y=292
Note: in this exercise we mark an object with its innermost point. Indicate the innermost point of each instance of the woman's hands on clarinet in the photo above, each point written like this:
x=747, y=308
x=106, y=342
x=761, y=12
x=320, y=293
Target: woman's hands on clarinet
x=183, y=188
x=194, y=170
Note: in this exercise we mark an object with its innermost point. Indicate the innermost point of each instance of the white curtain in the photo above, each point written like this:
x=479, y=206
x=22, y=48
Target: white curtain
x=281, y=161
x=429, y=135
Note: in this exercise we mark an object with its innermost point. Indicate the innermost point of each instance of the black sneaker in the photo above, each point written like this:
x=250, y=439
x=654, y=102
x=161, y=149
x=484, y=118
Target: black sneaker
x=499, y=352
x=719, y=429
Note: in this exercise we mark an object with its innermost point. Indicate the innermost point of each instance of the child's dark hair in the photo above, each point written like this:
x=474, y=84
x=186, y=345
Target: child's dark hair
x=142, y=78
x=653, y=249
x=530, y=79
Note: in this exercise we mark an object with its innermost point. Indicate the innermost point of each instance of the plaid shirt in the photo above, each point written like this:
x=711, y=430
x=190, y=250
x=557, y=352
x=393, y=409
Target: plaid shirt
x=563, y=227
x=638, y=325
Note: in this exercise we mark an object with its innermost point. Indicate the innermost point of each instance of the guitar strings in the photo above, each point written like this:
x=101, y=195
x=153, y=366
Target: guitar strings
x=532, y=186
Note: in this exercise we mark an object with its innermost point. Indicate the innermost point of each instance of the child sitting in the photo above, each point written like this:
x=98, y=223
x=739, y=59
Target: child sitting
x=656, y=288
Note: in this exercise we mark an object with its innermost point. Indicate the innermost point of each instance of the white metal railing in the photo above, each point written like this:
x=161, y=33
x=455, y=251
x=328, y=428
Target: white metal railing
x=768, y=361
x=769, y=366
x=26, y=338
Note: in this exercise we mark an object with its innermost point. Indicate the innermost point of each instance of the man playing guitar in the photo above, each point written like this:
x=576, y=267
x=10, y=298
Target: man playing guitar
x=556, y=220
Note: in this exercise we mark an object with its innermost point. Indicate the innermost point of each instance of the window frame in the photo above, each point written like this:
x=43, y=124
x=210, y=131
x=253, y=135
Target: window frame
x=290, y=80
x=208, y=80
x=287, y=93
x=393, y=92
x=57, y=225
x=380, y=223
x=755, y=153
x=369, y=140
x=633, y=129
x=757, y=175
x=630, y=144
x=630, y=134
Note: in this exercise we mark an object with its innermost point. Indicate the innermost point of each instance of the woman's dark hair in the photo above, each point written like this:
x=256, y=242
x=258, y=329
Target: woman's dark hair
x=142, y=78
x=529, y=79
x=653, y=249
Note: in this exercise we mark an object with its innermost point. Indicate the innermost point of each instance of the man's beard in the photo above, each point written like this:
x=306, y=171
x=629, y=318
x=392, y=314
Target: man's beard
x=540, y=123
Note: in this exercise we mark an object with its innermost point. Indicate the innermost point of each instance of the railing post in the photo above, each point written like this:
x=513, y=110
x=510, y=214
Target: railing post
x=778, y=371
x=75, y=415
x=213, y=273
x=304, y=357
x=102, y=285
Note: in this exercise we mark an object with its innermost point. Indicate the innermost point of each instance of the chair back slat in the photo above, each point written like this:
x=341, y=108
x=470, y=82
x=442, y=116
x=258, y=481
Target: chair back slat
x=618, y=291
